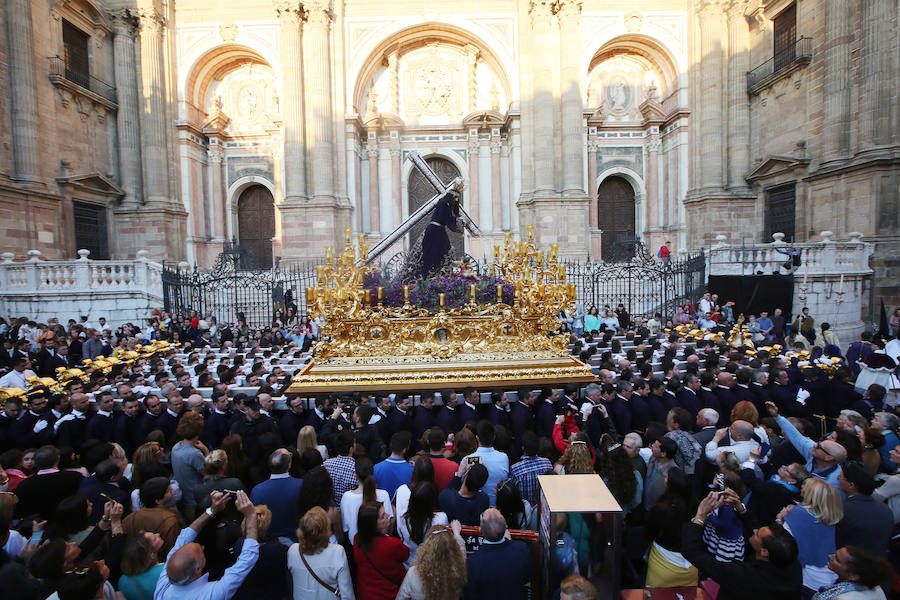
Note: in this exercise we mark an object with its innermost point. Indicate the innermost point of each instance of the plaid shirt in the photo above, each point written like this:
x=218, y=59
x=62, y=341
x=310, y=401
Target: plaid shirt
x=525, y=473
x=343, y=475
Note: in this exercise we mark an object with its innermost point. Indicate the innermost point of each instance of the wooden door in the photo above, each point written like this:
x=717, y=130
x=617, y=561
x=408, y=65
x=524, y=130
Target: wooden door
x=615, y=210
x=256, y=224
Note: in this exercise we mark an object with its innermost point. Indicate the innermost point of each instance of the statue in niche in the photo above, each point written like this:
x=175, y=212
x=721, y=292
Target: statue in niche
x=618, y=94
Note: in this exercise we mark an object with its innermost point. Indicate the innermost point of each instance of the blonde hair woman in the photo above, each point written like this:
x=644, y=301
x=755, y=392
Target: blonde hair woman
x=577, y=459
x=812, y=525
x=306, y=440
x=318, y=569
x=439, y=572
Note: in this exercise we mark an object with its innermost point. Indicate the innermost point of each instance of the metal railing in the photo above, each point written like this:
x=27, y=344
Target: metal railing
x=58, y=68
x=800, y=52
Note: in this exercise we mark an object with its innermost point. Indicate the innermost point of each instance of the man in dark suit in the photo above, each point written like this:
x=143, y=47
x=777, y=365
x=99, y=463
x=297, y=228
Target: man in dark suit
x=71, y=429
x=317, y=416
x=867, y=522
x=23, y=429
x=168, y=419
x=128, y=428
x=9, y=353
x=105, y=484
x=521, y=416
x=468, y=410
x=398, y=417
x=448, y=415
x=500, y=568
x=741, y=387
x=707, y=397
x=688, y=397
x=290, y=424
x=251, y=427
x=423, y=417
x=784, y=394
x=545, y=416
x=655, y=401
x=382, y=407
x=40, y=493
x=727, y=398
x=760, y=391
x=102, y=426
x=497, y=412
x=49, y=358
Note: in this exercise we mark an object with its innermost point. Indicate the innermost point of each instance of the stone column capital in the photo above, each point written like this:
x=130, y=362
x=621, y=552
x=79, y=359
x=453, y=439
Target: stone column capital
x=151, y=20
x=735, y=9
x=541, y=10
x=711, y=8
x=372, y=150
x=214, y=156
x=653, y=143
x=473, y=145
x=318, y=14
x=593, y=145
x=125, y=22
x=568, y=9
x=289, y=11
x=496, y=146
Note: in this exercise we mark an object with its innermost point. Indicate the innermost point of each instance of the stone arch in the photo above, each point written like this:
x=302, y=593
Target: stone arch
x=234, y=193
x=214, y=64
x=640, y=192
x=662, y=66
x=256, y=222
x=419, y=36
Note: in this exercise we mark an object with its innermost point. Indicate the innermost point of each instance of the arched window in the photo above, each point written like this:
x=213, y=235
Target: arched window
x=256, y=224
x=615, y=210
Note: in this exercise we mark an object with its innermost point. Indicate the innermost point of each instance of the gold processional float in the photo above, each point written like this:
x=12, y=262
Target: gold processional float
x=492, y=331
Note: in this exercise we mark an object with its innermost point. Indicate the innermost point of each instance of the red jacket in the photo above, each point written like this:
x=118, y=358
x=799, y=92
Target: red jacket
x=380, y=571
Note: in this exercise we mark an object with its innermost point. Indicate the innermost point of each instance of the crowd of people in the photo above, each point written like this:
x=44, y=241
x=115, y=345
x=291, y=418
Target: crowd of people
x=136, y=468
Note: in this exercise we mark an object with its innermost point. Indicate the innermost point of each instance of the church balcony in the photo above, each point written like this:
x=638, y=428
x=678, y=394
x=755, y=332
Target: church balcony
x=784, y=62
x=82, y=84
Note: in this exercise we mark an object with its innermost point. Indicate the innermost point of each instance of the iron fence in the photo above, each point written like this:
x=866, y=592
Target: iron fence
x=642, y=283
x=800, y=52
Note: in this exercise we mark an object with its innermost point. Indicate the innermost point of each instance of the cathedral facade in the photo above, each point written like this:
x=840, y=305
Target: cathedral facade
x=177, y=126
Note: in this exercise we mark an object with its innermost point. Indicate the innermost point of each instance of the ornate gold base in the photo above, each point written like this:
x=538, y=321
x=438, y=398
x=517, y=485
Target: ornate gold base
x=421, y=373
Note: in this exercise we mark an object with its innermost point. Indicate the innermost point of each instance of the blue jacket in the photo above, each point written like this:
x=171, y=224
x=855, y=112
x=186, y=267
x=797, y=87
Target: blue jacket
x=279, y=493
x=498, y=571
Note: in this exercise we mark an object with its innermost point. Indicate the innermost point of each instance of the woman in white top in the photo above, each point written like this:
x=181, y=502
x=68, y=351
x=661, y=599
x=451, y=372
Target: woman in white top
x=318, y=568
x=365, y=493
x=423, y=470
x=421, y=514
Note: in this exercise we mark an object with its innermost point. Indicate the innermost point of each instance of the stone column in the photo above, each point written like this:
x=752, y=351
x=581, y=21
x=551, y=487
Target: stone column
x=569, y=15
x=471, y=75
x=876, y=81
x=153, y=113
x=836, y=134
x=216, y=159
x=496, y=199
x=290, y=17
x=654, y=218
x=22, y=92
x=396, y=192
x=738, y=101
x=394, y=81
x=472, y=187
x=374, y=222
x=128, y=117
x=593, y=215
x=317, y=48
x=543, y=134
x=710, y=97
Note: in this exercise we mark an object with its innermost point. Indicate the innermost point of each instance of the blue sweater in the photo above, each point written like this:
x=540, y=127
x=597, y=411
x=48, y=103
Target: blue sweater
x=279, y=493
x=815, y=540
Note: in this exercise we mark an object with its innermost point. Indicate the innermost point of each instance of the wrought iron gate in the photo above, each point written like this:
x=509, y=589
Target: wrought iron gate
x=641, y=283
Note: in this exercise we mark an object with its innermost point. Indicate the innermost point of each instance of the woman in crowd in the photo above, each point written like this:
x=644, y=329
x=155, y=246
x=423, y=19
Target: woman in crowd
x=812, y=525
x=666, y=566
x=215, y=467
x=859, y=576
x=423, y=470
x=187, y=458
x=421, y=514
x=518, y=512
x=872, y=440
x=592, y=320
x=306, y=439
x=379, y=558
x=464, y=444
x=619, y=475
x=319, y=569
x=317, y=490
x=577, y=457
x=364, y=493
x=439, y=572
x=141, y=566
x=71, y=521
x=238, y=461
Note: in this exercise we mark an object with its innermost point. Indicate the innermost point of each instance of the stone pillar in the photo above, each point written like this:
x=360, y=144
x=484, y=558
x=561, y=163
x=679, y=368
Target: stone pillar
x=875, y=86
x=22, y=92
x=319, y=117
x=543, y=134
x=496, y=195
x=738, y=101
x=836, y=134
x=472, y=187
x=394, y=81
x=654, y=218
x=471, y=76
x=128, y=117
x=218, y=201
x=374, y=222
x=153, y=113
x=710, y=97
x=569, y=15
x=290, y=17
x=593, y=215
x=396, y=191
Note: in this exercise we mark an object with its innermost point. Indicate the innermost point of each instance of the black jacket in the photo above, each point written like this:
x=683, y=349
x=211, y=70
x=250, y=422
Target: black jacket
x=749, y=579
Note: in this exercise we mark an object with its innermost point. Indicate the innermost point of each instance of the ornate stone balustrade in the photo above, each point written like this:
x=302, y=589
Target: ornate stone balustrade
x=120, y=290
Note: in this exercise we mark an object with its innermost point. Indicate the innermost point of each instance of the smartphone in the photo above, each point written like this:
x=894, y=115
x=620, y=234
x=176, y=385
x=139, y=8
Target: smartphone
x=473, y=460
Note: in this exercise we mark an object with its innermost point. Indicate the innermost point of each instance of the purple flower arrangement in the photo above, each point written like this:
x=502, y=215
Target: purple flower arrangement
x=425, y=293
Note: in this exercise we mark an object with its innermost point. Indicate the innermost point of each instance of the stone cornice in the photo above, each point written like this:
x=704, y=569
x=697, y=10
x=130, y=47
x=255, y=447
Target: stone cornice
x=289, y=10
